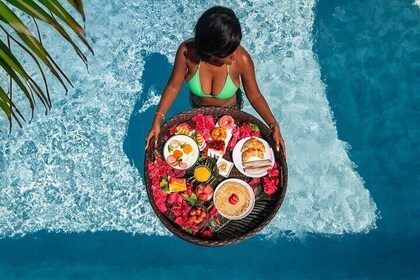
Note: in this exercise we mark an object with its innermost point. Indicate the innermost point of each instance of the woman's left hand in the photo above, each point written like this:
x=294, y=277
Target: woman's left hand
x=278, y=139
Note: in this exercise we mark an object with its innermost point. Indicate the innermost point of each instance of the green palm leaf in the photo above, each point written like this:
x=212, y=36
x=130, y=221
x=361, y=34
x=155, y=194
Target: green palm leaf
x=35, y=49
x=34, y=10
x=78, y=5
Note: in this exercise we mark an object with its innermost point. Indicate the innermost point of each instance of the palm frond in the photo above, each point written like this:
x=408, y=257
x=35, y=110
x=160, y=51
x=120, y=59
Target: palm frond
x=35, y=49
x=78, y=5
x=35, y=11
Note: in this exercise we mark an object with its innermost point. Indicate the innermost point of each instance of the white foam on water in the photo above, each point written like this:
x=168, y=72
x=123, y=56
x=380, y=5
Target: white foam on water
x=67, y=172
x=417, y=2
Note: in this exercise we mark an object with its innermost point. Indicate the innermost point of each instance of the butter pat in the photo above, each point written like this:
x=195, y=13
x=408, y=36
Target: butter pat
x=224, y=167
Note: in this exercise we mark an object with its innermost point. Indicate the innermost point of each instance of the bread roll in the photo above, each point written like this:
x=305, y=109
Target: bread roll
x=253, y=143
x=246, y=155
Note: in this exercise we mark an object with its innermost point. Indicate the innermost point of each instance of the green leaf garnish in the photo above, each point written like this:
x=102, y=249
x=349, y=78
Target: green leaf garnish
x=254, y=127
x=192, y=200
x=165, y=186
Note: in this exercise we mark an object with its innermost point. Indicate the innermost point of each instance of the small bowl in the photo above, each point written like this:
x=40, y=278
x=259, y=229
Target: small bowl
x=204, y=192
x=203, y=219
x=242, y=190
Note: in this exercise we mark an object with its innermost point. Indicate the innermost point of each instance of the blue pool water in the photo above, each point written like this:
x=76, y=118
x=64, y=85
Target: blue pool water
x=343, y=78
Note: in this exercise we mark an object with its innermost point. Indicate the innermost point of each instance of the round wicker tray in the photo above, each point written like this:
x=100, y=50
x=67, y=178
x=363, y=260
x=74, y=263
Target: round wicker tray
x=234, y=231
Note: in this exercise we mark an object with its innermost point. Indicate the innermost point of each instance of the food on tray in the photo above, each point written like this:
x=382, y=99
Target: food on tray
x=204, y=192
x=202, y=173
x=197, y=215
x=181, y=152
x=177, y=184
x=224, y=167
x=256, y=170
x=254, y=167
x=258, y=163
x=226, y=122
x=183, y=130
x=252, y=152
x=199, y=139
x=218, y=133
x=233, y=199
x=217, y=145
x=253, y=143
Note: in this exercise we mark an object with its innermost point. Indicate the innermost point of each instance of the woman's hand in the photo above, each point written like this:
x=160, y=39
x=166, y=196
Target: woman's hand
x=278, y=139
x=154, y=132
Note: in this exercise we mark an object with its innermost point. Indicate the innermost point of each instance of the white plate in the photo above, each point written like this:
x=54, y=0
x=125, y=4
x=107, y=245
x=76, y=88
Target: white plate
x=190, y=158
x=250, y=191
x=237, y=156
x=214, y=153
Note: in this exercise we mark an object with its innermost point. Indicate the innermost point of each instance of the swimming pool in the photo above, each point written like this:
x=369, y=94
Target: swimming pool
x=338, y=74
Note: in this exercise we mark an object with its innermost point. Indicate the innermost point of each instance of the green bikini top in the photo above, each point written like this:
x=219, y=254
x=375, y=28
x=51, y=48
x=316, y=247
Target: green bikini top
x=229, y=89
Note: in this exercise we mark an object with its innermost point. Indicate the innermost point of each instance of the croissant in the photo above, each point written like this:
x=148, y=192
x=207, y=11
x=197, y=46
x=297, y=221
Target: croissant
x=246, y=155
x=253, y=143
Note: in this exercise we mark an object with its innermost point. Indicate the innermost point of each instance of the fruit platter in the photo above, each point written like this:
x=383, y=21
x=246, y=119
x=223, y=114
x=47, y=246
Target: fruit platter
x=213, y=178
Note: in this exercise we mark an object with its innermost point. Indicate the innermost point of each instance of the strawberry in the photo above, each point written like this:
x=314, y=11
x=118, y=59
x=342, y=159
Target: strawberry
x=202, y=196
x=233, y=199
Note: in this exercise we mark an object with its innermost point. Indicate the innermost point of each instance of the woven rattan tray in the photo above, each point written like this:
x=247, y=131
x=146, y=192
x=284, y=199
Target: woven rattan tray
x=231, y=231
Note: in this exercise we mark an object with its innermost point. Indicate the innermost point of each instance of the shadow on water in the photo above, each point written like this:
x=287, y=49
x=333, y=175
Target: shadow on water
x=157, y=70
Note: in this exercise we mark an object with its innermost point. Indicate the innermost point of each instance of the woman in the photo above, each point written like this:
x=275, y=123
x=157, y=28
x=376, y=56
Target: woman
x=213, y=64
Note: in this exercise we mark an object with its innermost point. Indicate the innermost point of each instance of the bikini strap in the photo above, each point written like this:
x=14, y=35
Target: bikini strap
x=227, y=68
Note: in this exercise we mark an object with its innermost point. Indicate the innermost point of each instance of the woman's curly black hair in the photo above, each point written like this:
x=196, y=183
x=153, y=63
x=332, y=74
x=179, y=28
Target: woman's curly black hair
x=217, y=33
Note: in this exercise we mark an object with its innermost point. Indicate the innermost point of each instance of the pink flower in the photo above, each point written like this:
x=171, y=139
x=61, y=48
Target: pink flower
x=254, y=181
x=206, y=233
x=173, y=197
x=213, y=212
x=153, y=169
x=189, y=189
x=180, y=221
x=240, y=132
x=172, y=130
x=269, y=185
x=204, y=124
x=274, y=172
x=161, y=206
x=180, y=208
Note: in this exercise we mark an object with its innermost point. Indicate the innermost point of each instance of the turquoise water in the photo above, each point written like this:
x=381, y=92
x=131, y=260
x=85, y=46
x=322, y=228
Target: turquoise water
x=340, y=74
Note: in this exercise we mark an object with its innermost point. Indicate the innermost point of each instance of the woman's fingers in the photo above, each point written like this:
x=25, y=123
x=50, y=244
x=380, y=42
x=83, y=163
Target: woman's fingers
x=147, y=142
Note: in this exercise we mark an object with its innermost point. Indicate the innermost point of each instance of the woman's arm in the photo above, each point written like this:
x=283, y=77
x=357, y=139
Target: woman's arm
x=257, y=100
x=170, y=92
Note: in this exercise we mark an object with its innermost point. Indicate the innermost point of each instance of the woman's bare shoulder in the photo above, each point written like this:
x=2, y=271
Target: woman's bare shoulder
x=243, y=58
x=187, y=48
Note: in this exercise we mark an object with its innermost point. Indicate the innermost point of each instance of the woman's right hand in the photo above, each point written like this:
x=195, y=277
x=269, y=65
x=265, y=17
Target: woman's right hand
x=154, y=132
